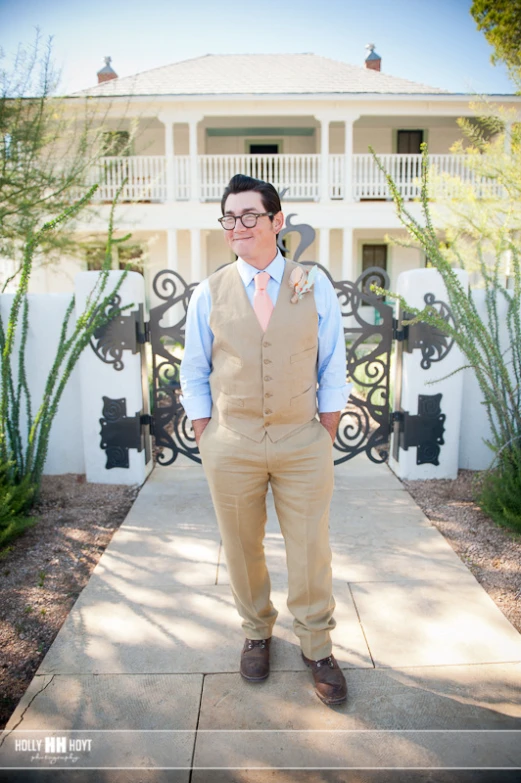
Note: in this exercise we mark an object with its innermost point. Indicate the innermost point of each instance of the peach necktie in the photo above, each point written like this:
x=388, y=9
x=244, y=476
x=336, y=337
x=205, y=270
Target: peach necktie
x=262, y=304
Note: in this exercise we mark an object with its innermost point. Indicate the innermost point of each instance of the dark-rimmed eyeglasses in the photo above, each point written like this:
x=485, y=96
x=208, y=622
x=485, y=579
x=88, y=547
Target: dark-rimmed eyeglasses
x=248, y=220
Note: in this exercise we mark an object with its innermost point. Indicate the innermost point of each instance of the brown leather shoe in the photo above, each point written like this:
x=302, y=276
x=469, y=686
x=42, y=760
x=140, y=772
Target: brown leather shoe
x=255, y=659
x=330, y=683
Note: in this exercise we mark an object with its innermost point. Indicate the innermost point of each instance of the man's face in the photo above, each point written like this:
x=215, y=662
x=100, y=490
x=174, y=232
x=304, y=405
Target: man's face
x=252, y=244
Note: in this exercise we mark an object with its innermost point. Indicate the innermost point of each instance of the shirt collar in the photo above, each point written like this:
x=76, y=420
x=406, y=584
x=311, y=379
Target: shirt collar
x=275, y=269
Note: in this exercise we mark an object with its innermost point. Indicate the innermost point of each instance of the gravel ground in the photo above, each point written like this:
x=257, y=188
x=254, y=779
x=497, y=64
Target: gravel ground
x=491, y=553
x=44, y=571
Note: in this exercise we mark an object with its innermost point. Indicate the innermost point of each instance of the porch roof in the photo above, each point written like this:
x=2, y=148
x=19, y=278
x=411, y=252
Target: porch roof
x=247, y=74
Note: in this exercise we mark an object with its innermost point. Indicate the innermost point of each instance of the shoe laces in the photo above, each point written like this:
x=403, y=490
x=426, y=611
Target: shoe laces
x=256, y=643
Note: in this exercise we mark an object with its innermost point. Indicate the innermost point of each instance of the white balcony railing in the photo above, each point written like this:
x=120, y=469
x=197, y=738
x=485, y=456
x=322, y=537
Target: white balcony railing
x=181, y=177
x=153, y=178
x=299, y=173
x=405, y=170
x=336, y=176
x=145, y=175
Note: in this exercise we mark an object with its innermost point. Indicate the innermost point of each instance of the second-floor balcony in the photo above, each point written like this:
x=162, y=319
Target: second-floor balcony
x=304, y=177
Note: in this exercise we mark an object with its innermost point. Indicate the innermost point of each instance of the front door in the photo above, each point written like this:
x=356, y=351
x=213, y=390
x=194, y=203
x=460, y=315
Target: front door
x=264, y=149
x=409, y=169
x=408, y=142
x=264, y=167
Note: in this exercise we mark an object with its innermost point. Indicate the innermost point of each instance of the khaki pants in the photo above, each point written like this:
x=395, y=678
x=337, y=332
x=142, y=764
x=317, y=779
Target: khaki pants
x=300, y=470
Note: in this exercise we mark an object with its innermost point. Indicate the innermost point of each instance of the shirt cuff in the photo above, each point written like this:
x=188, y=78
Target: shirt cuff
x=330, y=400
x=197, y=407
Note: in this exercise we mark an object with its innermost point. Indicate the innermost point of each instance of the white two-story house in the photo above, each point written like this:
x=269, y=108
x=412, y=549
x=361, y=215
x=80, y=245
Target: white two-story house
x=301, y=121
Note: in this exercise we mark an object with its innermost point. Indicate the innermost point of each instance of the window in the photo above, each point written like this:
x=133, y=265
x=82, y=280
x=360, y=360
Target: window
x=374, y=255
x=116, y=143
x=133, y=255
x=408, y=142
x=94, y=256
x=121, y=256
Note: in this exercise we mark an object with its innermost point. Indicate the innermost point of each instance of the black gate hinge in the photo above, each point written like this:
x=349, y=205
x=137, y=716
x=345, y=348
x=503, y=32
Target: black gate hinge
x=142, y=332
x=145, y=419
x=400, y=333
x=396, y=416
x=423, y=430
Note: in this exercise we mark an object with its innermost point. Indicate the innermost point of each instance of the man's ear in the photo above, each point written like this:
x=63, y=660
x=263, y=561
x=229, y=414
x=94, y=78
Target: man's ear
x=278, y=222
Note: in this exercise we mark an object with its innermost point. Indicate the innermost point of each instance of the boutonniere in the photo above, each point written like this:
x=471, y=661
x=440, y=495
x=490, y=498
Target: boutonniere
x=301, y=283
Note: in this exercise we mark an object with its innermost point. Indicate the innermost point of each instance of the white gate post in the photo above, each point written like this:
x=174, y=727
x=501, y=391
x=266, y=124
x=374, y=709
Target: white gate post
x=413, y=286
x=99, y=379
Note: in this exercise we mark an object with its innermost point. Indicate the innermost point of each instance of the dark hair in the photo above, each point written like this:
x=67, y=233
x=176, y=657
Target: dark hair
x=240, y=183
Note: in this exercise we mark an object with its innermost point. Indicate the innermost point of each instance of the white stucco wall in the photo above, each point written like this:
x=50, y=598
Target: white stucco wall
x=56, y=277
x=378, y=138
x=379, y=132
x=413, y=285
x=46, y=313
x=474, y=454
x=239, y=145
x=404, y=259
x=149, y=137
x=99, y=379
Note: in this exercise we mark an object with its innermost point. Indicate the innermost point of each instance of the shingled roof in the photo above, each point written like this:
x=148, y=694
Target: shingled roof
x=260, y=74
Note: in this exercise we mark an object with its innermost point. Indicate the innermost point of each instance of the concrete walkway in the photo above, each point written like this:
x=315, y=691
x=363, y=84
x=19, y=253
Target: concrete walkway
x=146, y=665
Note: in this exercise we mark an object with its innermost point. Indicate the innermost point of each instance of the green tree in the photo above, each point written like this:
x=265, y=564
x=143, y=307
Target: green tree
x=22, y=460
x=500, y=20
x=482, y=222
x=49, y=147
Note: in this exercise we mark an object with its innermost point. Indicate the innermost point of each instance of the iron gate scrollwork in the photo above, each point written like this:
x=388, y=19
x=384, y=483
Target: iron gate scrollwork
x=172, y=431
x=365, y=423
x=369, y=329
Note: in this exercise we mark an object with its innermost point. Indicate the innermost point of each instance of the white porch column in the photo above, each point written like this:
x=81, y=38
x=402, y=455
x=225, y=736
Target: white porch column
x=193, y=152
x=196, y=267
x=168, y=122
x=324, y=247
x=171, y=249
x=324, y=158
x=411, y=381
x=348, y=157
x=348, y=262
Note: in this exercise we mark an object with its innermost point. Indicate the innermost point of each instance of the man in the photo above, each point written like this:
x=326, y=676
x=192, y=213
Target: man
x=249, y=376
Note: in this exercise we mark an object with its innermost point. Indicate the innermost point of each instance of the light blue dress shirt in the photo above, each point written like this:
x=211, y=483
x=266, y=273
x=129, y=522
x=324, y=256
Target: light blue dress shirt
x=333, y=391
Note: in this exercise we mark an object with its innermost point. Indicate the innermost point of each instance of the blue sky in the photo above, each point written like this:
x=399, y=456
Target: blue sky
x=435, y=42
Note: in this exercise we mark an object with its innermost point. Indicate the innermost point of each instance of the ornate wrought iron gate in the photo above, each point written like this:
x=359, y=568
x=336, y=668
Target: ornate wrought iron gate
x=364, y=424
x=370, y=328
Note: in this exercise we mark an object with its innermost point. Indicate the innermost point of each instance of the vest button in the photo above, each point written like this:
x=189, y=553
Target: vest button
x=268, y=394
x=267, y=378
x=266, y=344
x=267, y=361
x=268, y=410
x=267, y=423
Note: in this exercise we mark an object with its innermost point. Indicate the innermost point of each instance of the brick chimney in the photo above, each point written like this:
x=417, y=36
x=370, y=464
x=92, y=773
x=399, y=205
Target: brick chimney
x=373, y=60
x=106, y=73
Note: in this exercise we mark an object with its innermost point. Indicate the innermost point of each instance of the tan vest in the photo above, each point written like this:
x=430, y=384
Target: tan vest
x=262, y=382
